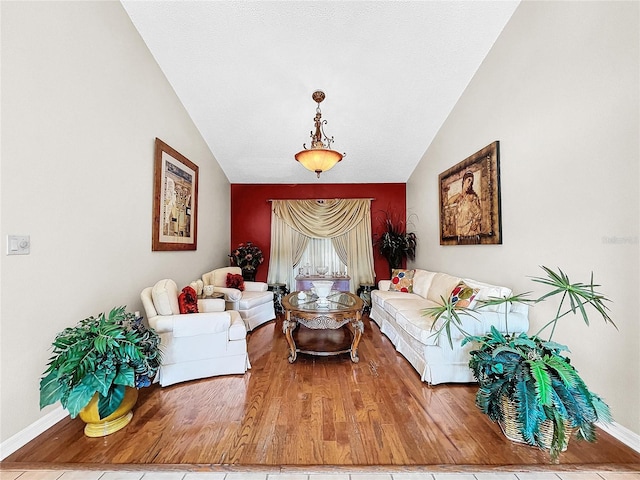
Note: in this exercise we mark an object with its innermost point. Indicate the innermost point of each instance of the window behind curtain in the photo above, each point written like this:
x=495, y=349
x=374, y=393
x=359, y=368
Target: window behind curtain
x=320, y=253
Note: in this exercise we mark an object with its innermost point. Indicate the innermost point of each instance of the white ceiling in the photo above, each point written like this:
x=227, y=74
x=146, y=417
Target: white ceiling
x=391, y=71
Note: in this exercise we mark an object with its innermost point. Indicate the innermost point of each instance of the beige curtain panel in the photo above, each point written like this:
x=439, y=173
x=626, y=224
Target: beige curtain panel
x=346, y=221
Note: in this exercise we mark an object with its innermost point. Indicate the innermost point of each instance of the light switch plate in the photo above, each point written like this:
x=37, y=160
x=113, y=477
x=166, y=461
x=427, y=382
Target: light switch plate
x=18, y=245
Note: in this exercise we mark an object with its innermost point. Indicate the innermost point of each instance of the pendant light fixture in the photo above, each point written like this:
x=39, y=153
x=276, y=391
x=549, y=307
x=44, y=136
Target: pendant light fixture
x=319, y=158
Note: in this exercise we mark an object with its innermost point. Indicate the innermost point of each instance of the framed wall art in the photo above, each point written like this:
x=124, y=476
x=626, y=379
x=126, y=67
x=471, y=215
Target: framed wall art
x=470, y=200
x=175, y=200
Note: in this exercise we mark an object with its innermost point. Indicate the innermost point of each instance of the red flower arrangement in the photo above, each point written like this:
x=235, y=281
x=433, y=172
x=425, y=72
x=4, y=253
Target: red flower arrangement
x=247, y=256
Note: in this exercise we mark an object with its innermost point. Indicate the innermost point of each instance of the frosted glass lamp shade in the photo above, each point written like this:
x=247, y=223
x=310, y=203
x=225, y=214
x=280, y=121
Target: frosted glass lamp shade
x=318, y=159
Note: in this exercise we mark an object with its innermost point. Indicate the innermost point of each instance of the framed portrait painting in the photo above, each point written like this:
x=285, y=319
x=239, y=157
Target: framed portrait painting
x=175, y=200
x=470, y=200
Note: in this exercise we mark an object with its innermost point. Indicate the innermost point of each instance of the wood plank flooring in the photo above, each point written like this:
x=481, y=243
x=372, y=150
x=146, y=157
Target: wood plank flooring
x=318, y=413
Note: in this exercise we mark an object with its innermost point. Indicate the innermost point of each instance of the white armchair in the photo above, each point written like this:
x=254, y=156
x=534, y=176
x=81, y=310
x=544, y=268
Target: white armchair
x=255, y=303
x=195, y=345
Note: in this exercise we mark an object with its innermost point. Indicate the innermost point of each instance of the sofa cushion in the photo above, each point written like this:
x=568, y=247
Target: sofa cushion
x=381, y=297
x=441, y=287
x=207, y=305
x=235, y=280
x=417, y=325
x=463, y=296
x=188, y=300
x=165, y=297
x=415, y=302
x=255, y=286
x=422, y=281
x=253, y=299
x=486, y=292
x=402, y=280
x=480, y=323
x=197, y=285
x=192, y=325
x=220, y=275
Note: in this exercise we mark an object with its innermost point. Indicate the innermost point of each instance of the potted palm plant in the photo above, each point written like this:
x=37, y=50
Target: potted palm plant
x=526, y=382
x=97, y=366
x=395, y=243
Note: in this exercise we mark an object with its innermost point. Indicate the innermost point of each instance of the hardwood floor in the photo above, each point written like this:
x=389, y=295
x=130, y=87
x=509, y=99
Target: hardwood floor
x=320, y=413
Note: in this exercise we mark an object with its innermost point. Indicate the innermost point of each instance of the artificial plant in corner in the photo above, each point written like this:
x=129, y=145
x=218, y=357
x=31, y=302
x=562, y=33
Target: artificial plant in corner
x=526, y=383
x=100, y=355
x=395, y=243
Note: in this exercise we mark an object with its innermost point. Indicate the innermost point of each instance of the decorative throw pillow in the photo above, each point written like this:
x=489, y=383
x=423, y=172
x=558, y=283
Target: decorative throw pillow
x=235, y=281
x=188, y=300
x=165, y=297
x=463, y=296
x=489, y=292
x=402, y=281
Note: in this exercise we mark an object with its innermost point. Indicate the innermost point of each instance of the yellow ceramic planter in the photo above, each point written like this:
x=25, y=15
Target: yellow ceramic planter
x=100, y=427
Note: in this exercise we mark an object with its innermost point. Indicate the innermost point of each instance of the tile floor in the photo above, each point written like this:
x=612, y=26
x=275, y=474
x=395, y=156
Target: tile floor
x=122, y=475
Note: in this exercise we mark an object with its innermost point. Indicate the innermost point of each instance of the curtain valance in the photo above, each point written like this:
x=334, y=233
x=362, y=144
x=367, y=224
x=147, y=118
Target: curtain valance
x=346, y=221
x=326, y=219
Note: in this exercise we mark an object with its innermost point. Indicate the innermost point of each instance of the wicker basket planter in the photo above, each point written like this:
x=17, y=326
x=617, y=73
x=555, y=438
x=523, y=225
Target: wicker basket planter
x=528, y=377
x=511, y=427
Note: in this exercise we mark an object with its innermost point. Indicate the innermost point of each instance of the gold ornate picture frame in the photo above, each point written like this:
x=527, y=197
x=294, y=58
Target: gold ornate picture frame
x=470, y=200
x=175, y=200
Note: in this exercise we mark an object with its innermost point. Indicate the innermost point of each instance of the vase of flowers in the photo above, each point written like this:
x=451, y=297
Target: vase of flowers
x=248, y=257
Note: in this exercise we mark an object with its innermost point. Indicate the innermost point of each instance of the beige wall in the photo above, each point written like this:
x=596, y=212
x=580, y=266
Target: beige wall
x=559, y=91
x=82, y=102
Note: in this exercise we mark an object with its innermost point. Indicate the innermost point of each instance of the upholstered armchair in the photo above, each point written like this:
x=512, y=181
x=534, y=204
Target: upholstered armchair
x=255, y=303
x=195, y=345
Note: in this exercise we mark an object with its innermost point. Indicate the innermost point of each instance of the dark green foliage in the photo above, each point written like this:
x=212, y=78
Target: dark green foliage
x=395, y=243
x=447, y=315
x=578, y=294
x=531, y=371
x=100, y=354
x=541, y=382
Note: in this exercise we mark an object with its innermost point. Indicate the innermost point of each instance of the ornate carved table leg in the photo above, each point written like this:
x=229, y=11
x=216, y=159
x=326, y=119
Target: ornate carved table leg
x=358, y=328
x=288, y=326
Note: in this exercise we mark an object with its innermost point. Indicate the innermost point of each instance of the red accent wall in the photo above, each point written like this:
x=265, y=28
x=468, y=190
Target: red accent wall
x=251, y=211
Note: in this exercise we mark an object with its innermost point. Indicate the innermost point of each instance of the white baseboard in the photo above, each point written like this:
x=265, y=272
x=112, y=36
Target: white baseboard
x=626, y=436
x=23, y=437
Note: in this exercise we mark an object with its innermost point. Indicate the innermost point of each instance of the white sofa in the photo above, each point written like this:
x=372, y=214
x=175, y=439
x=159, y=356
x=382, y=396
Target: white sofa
x=195, y=345
x=255, y=303
x=400, y=317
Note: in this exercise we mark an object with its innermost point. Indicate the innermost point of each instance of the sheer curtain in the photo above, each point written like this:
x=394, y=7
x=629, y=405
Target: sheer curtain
x=347, y=222
x=321, y=252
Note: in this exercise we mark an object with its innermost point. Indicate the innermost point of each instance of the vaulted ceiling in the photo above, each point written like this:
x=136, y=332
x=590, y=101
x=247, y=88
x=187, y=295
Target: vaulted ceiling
x=391, y=71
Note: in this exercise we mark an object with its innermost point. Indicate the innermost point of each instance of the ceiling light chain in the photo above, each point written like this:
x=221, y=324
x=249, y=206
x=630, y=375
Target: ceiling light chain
x=317, y=137
x=319, y=158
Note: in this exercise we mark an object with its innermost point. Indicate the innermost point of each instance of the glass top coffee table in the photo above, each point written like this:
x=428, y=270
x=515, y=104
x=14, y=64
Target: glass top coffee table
x=323, y=321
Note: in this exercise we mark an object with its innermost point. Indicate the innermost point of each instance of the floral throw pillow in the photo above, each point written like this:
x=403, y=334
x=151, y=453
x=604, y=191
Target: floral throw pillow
x=235, y=280
x=402, y=281
x=463, y=296
x=188, y=300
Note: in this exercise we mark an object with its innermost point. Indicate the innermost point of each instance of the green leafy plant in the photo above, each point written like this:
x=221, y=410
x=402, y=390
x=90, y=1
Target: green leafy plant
x=103, y=355
x=395, y=243
x=532, y=372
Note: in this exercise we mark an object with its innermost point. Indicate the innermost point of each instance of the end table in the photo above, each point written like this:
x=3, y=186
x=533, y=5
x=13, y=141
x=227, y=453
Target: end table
x=279, y=290
x=364, y=292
